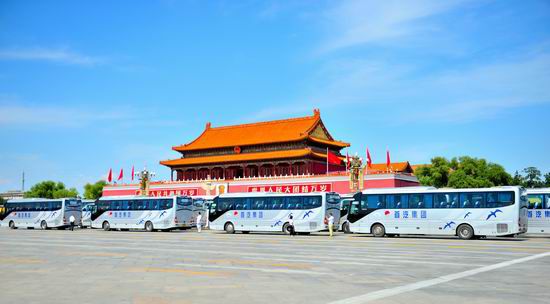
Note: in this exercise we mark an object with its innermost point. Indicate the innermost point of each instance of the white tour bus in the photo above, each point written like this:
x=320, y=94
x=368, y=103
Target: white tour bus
x=143, y=212
x=538, y=214
x=270, y=211
x=88, y=206
x=468, y=213
x=41, y=213
x=346, y=201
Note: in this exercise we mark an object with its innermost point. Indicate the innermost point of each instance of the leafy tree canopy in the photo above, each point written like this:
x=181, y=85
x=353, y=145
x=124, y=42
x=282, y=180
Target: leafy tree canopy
x=94, y=191
x=51, y=189
x=463, y=172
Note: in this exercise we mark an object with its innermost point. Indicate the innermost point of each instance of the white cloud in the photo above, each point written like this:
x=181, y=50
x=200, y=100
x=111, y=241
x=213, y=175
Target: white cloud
x=54, y=116
x=60, y=55
x=358, y=22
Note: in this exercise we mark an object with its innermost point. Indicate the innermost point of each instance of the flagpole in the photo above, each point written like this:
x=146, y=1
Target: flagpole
x=327, y=160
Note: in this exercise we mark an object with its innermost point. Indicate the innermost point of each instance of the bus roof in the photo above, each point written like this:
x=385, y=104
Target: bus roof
x=538, y=191
x=435, y=190
x=37, y=199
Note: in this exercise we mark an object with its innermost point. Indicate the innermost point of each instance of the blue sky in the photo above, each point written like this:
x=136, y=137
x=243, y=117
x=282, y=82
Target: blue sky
x=90, y=85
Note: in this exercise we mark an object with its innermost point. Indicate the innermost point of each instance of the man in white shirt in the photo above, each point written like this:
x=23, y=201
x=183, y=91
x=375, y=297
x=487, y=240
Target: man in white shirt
x=199, y=218
x=330, y=223
x=71, y=221
x=291, y=227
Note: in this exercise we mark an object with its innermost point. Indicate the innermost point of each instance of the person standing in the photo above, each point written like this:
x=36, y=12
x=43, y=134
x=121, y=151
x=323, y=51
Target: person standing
x=71, y=221
x=291, y=228
x=330, y=224
x=199, y=218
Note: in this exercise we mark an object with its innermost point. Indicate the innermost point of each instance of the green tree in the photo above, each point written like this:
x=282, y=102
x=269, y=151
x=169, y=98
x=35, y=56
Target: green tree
x=547, y=179
x=463, y=172
x=94, y=191
x=532, y=178
x=436, y=174
x=2, y=201
x=51, y=189
x=517, y=180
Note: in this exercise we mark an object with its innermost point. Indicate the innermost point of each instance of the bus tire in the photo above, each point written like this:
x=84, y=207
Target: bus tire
x=106, y=226
x=345, y=227
x=465, y=231
x=43, y=225
x=149, y=226
x=229, y=228
x=378, y=230
x=12, y=225
x=286, y=229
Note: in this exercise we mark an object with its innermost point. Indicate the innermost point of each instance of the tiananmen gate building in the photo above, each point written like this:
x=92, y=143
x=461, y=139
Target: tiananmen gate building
x=288, y=155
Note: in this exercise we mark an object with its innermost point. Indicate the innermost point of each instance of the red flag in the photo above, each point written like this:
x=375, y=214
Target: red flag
x=369, y=160
x=121, y=175
x=388, y=162
x=132, y=173
x=347, y=161
x=110, y=176
x=333, y=159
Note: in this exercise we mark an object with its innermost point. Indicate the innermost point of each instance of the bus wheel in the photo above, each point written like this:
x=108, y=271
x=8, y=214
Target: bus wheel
x=465, y=232
x=12, y=225
x=345, y=228
x=378, y=230
x=44, y=225
x=149, y=226
x=229, y=228
x=106, y=226
x=286, y=229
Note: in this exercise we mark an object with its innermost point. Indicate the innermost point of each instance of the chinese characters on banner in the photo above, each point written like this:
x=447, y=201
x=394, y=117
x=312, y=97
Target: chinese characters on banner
x=171, y=192
x=292, y=188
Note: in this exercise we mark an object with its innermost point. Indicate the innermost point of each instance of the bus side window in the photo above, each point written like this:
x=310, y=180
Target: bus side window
x=258, y=203
x=375, y=202
x=404, y=201
x=547, y=196
x=492, y=200
x=506, y=199
x=415, y=201
x=443, y=200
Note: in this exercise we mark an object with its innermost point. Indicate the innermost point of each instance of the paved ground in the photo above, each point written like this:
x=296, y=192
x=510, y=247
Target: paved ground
x=91, y=266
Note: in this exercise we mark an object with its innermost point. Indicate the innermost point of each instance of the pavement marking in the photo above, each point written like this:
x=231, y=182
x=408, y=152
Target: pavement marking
x=21, y=261
x=263, y=263
x=176, y=270
x=389, y=292
x=274, y=270
x=98, y=254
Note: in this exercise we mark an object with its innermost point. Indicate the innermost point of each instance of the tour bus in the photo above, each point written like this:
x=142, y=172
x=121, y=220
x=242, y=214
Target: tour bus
x=142, y=212
x=88, y=206
x=346, y=201
x=41, y=213
x=467, y=213
x=345, y=204
x=538, y=214
x=260, y=211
